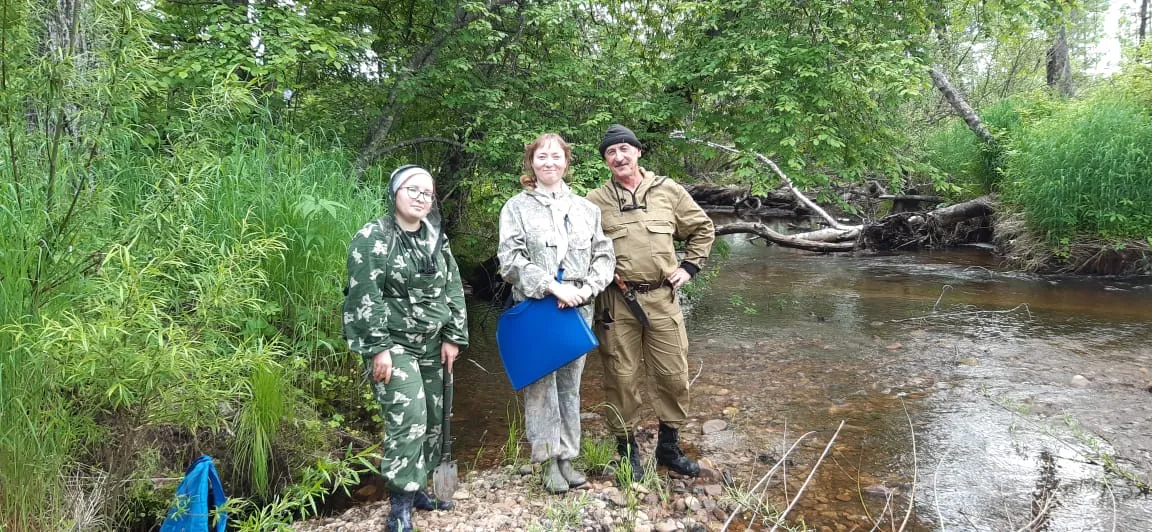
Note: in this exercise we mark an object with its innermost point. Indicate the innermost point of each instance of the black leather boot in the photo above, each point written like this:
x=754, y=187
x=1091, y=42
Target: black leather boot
x=629, y=450
x=400, y=512
x=668, y=453
x=424, y=501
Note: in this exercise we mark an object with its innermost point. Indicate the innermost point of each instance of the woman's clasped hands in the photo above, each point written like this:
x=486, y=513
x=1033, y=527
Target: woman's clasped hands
x=570, y=296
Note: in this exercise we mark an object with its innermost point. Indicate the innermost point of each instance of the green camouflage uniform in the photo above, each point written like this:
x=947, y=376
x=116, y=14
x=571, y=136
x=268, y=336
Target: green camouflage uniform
x=403, y=301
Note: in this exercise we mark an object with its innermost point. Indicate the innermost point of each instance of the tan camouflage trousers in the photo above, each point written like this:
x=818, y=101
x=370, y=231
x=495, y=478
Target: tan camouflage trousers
x=552, y=413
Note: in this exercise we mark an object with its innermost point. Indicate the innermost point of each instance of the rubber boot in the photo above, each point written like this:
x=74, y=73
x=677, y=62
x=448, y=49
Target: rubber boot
x=424, y=501
x=629, y=450
x=574, y=477
x=554, y=481
x=400, y=512
x=668, y=453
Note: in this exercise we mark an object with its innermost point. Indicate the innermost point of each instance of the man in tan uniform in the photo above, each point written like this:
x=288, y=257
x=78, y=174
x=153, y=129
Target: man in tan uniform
x=644, y=214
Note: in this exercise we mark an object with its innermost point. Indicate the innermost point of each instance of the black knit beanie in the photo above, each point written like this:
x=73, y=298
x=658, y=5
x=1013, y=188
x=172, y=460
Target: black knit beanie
x=617, y=134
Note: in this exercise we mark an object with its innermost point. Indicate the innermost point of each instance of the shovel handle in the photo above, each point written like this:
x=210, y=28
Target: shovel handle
x=446, y=424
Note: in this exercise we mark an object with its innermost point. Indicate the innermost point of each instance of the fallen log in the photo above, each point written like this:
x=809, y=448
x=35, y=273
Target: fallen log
x=766, y=212
x=740, y=198
x=767, y=233
x=940, y=227
x=895, y=231
x=800, y=197
x=912, y=197
x=830, y=234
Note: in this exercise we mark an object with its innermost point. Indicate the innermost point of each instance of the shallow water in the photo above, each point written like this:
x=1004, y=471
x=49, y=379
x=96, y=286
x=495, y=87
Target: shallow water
x=787, y=342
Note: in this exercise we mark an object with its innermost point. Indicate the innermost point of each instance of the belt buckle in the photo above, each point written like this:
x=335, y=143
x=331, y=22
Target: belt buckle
x=643, y=288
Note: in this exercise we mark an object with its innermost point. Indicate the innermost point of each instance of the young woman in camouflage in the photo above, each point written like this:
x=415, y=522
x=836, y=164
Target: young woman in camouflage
x=543, y=228
x=404, y=313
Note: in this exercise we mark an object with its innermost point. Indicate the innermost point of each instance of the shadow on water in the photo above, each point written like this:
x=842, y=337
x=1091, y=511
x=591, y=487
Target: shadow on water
x=979, y=364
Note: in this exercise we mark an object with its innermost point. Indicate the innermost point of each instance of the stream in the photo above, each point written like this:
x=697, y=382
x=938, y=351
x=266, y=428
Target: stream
x=972, y=397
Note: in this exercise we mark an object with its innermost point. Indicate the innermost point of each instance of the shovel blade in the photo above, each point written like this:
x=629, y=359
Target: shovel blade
x=444, y=480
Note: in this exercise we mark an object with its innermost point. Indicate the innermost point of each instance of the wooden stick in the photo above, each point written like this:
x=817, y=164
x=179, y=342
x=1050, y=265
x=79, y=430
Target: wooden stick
x=812, y=473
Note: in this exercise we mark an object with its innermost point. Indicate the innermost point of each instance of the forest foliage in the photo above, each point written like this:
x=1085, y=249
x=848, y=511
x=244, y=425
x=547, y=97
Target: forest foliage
x=179, y=180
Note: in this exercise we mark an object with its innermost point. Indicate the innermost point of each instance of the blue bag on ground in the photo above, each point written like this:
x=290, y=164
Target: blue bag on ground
x=535, y=338
x=199, y=493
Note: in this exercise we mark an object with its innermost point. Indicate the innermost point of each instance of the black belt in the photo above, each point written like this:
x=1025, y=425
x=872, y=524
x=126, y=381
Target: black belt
x=643, y=287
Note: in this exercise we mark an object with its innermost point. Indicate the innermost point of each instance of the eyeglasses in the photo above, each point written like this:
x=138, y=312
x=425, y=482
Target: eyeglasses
x=415, y=193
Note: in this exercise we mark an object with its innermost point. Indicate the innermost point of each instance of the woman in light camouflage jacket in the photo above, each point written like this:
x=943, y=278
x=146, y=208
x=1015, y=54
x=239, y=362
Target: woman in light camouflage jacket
x=404, y=313
x=543, y=228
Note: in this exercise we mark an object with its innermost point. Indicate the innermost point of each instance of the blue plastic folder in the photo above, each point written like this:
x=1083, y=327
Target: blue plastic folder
x=535, y=338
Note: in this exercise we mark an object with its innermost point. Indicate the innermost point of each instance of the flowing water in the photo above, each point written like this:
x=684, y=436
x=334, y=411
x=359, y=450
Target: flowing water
x=955, y=379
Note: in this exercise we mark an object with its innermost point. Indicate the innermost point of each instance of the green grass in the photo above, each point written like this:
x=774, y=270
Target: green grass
x=199, y=300
x=1086, y=170
x=512, y=450
x=596, y=454
x=971, y=166
x=258, y=423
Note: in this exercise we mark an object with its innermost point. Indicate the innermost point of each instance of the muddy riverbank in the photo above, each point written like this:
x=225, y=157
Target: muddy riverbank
x=1026, y=398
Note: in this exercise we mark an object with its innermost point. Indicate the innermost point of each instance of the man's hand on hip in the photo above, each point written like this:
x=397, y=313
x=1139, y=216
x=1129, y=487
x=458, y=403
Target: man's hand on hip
x=679, y=278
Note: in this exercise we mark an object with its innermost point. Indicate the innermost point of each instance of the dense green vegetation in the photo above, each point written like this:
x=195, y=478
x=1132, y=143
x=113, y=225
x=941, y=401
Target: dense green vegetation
x=179, y=180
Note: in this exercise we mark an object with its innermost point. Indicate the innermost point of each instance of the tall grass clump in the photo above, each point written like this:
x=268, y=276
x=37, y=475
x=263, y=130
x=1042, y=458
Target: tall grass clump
x=1086, y=170
x=974, y=167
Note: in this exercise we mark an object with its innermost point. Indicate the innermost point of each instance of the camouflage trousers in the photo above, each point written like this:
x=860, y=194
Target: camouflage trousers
x=552, y=413
x=412, y=404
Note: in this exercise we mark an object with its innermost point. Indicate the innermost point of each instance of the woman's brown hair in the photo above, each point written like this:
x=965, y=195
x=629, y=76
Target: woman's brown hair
x=528, y=180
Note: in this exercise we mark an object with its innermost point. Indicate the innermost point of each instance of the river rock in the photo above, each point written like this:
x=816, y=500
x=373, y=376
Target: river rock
x=713, y=490
x=713, y=426
x=1079, y=381
x=616, y=496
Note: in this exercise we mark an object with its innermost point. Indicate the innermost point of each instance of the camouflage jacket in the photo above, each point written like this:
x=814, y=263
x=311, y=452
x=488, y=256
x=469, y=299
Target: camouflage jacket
x=537, y=231
x=397, y=295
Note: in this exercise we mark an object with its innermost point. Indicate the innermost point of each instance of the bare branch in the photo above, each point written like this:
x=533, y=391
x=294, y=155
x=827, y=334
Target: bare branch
x=811, y=205
x=812, y=473
x=419, y=140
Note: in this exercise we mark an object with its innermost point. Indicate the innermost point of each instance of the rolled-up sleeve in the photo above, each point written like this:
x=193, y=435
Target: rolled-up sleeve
x=515, y=263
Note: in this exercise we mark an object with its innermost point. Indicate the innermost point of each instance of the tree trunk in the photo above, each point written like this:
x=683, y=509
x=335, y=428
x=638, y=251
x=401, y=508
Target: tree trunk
x=940, y=81
x=375, y=144
x=1059, y=69
x=1144, y=16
